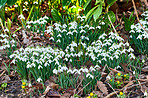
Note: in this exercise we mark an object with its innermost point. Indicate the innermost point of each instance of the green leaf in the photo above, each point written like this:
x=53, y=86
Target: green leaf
x=11, y=2
x=91, y=12
x=111, y=2
x=56, y=16
x=97, y=12
x=2, y=3
x=86, y=4
x=99, y=1
x=112, y=17
x=66, y=2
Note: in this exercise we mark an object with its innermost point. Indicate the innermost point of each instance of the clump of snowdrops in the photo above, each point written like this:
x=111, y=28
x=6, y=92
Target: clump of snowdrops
x=38, y=61
x=139, y=37
x=8, y=43
x=78, y=43
x=72, y=77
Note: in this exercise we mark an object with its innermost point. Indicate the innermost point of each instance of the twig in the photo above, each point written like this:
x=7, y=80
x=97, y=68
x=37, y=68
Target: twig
x=2, y=73
x=84, y=87
x=78, y=86
x=137, y=16
x=112, y=24
x=115, y=92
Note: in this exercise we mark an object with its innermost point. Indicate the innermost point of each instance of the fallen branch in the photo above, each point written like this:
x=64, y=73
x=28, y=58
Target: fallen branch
x=137, y=16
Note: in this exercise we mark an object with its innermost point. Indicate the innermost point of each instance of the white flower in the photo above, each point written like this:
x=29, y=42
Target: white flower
x=118, y=67
x=64, y=68
x=92, y=69
x=39, y=67
x=98, y=27
x=108, y=77
x=70, y=71
x=134, y=72
x=36, y=2
x=130, y=50
x=29, y=85
x=145, y=94
x=143, y=60
x=58, y=41
x=6, y=30
x=132, y=56
x=91, y=28
x=89, y=76
x=39, y=79
x=55, y=71
x=21, y=17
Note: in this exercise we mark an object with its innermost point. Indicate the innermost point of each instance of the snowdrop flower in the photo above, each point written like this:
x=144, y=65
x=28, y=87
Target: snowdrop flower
x=134, y=72
x=143, y=61
x=64, y=68
x=85, y=70
x=97, y=66
x=133, y=26
x=89, y=76
x=36, y=2
x=98, y=27
x=28, y=26
x=21, y=17
x=118, y=67
x=145, y=94
x=70, y=71
x=64, y=26
x=39, y=67
x=51, y=38
x=29, y=85
x=14, y=35
x=45, y=17
x=58, y=41
x=39, y=79
x=130, y=50
x=91, y=28
x=139, y=37
x=108, y=77
x=6, y=30
x=92, y=69
x=55, y=71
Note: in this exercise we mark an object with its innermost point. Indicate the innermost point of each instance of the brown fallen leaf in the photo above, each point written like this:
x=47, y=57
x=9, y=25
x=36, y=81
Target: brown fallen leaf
x=66, y=95
x=116, y=71
x=102, y=87
x=125, y=67
x=46, y=35
x=52, y=93
x=37, y=38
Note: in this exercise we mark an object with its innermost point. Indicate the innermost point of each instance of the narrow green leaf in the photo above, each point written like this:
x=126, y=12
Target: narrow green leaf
x=90, y=13
x=97, y=12
x=2, y=3
x=99, y=1
x=56, y=16
x=86, y=4
x=11, y=2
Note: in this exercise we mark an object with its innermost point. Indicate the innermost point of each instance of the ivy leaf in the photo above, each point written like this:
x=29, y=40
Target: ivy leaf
x=2, y=3
x=97, y=12
x=112, y=17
